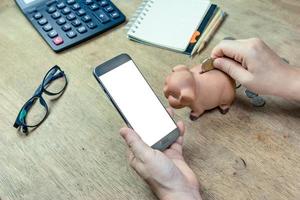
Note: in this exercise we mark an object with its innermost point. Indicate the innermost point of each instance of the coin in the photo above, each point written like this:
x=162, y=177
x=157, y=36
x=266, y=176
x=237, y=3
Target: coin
x=258, y=101
x=208, y=65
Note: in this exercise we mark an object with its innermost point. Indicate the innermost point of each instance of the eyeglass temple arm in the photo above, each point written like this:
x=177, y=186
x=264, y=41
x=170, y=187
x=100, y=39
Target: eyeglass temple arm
x=18, y=123
x=22, y=114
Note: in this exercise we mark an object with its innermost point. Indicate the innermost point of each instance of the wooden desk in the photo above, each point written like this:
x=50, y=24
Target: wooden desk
x=77, y=152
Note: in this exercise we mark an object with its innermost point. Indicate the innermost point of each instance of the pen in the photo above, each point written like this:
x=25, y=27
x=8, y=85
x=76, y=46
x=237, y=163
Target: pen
x=199, y=42
x=207, y=37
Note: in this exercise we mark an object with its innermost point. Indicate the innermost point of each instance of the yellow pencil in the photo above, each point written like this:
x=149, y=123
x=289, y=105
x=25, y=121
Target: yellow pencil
x=207, y=37
x=213, y=21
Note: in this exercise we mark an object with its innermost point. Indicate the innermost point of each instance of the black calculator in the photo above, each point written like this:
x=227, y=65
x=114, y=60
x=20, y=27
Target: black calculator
x=65, y=23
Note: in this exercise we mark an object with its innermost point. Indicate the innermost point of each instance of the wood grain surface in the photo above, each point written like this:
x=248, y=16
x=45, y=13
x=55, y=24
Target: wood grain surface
x=77, y=153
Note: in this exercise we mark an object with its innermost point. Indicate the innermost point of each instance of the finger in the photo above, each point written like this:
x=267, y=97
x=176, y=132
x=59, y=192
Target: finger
x=233, y=69
x=170, y=111
x=177, y=147
x=130, y=156
x=179, y=140
x=134, y=161
x=230, y=48
x=181, y=127
x=135, y=143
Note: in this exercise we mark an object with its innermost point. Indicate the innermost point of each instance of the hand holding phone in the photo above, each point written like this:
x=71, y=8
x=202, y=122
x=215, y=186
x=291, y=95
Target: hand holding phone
x=167, y=173
x=136, y=102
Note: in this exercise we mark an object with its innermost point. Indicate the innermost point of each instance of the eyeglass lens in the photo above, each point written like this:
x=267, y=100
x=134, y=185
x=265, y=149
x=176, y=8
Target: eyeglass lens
x=36, y=112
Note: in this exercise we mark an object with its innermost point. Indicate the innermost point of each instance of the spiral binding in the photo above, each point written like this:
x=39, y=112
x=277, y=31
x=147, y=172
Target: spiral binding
x=139, y=16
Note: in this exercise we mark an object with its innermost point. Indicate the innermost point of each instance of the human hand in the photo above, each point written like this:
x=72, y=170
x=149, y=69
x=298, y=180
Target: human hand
x=253, y=64
x=167, y=174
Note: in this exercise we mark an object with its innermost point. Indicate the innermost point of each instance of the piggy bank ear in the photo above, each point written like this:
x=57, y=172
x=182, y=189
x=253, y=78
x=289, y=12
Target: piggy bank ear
x=180, y=68
x=187, y=96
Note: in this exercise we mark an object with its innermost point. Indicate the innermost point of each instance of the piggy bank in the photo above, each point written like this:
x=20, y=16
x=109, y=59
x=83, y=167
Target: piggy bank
x=199, y=91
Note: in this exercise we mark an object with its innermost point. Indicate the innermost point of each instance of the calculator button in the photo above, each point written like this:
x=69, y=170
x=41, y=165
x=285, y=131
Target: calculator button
x=91, y=25
x=32, y=10
x=37, y=15
x=71, y=34
x=71, y=16
x=103, y=3
x=109, y=9
x=56, y=15
x=102, y=16
x=61, y=21
x=58, y=40
x=51, y=9
x=86, y=18
x=88, y=2
x=114, y=15
x=61, y=5
x=70, y=2
x=47, y=27
x=76, y=6
x=81, y=29
x=49, y=3
x=66, y=27
x=76, y=23
x=42, y=21
x=66, y=11
x=94, y=7
x=52, y=34
x=81, y=12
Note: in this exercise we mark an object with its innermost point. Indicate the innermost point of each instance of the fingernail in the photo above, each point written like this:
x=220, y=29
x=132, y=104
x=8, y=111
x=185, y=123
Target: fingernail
x=217, y=62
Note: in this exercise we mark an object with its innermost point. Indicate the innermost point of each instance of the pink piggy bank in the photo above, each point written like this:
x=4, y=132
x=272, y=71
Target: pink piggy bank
x=199, y=91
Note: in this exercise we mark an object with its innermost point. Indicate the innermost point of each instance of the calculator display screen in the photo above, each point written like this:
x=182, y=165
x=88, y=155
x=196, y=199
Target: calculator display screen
x=28, y=1
x=138, y=103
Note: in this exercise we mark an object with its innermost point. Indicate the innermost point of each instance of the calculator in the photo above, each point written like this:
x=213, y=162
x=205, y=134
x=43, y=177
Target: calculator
x=65, y=23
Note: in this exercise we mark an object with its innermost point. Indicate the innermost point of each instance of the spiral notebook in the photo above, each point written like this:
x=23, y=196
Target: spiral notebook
x=167, y=24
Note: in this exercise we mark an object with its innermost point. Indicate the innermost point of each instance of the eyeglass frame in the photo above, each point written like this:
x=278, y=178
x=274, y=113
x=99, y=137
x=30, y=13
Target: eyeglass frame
x=47, y=80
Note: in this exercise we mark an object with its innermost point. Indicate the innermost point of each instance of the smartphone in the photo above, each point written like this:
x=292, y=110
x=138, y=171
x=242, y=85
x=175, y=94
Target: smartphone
x=136, y=102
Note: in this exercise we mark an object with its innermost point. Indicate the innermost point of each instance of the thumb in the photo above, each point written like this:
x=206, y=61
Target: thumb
x=135, y=143
x=233, y=69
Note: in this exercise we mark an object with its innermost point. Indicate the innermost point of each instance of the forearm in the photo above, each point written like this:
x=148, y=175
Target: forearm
x=290, y=86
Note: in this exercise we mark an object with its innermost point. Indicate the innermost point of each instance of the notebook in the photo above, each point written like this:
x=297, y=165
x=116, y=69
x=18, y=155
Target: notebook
x=167, y=24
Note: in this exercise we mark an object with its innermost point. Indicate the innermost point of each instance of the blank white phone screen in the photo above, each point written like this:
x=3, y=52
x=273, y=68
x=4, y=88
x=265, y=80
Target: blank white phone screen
x=138, y=103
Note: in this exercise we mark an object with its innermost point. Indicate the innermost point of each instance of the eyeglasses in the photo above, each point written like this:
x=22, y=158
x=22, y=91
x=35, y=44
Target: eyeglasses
x=35, y=110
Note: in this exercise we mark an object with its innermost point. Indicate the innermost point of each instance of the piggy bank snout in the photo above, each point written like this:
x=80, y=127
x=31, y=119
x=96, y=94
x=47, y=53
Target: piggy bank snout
x=175, y=102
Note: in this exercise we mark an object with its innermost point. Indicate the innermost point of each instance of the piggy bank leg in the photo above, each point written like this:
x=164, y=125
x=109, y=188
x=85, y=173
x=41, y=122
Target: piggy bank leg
x=224, y=109
x=194, y=115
